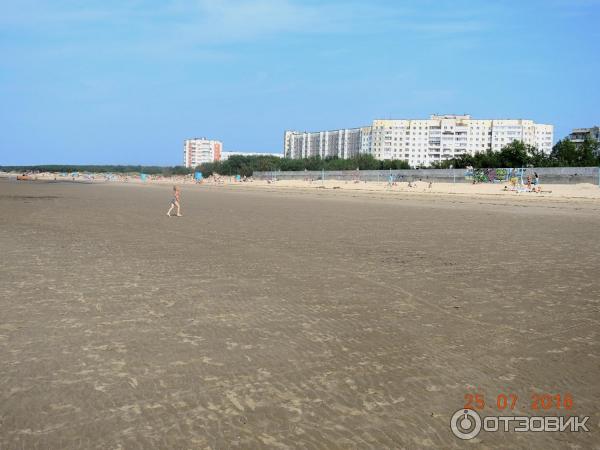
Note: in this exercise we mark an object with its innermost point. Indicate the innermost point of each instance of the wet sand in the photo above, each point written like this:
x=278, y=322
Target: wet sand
x=279, y=319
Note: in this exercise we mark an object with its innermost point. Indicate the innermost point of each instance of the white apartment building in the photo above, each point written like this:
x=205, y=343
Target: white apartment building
x=201, y=150
x=424, y=141
x=579, y=135
x=344, y=143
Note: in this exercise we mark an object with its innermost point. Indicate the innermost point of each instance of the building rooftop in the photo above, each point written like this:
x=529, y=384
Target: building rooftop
x=450, y=116
x=584, y=130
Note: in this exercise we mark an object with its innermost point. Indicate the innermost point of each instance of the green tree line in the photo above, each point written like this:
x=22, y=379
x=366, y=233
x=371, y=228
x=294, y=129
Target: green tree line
x=517, y=154
x=67, y=168
x=247, y=165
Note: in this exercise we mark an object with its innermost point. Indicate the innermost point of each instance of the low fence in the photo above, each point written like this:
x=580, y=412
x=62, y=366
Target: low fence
x=548, y=175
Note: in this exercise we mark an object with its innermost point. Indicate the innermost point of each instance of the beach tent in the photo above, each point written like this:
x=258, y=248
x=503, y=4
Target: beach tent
x=198, y=176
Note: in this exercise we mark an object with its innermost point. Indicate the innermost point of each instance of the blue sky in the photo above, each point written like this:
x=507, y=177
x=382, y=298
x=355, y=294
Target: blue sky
x=126, y=81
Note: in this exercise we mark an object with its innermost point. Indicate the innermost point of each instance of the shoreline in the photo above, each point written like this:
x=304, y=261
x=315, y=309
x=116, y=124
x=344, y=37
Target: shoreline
x=581, y=192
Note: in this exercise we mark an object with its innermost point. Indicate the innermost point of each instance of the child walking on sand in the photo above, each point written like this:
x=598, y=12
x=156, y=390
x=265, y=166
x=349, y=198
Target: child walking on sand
x=175, y=202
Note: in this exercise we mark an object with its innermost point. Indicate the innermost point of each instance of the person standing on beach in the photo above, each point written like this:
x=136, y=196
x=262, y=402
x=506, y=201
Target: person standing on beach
x=175, y=202
x=536, y=182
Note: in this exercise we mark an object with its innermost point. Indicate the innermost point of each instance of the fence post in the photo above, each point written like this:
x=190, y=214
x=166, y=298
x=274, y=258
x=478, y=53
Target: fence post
x=521, y=176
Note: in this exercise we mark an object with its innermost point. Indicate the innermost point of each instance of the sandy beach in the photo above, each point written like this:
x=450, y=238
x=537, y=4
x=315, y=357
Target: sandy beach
x=288, y=315
x=553, y=192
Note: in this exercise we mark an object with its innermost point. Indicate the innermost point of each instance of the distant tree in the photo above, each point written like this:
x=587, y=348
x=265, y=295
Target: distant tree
x=288, y=164
x=313, y=163
x=515, y=154
x=538, y=158
x=181, y=170
x=445, y=164
x=99, y=169
x=588, y=153
x=567, y=153
x=366, y=162
x=207, y=169
x=564, y=153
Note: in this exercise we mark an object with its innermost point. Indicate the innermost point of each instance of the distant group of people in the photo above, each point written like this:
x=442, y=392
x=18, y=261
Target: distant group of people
x=532, y=184
x=394, y=181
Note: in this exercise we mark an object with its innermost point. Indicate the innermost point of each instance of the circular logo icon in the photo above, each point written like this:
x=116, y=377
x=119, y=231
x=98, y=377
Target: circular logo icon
x=465, y=424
